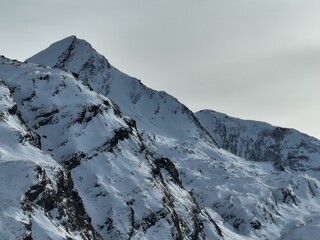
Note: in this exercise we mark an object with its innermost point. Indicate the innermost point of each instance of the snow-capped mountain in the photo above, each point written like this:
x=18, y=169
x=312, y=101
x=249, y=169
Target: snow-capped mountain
x=124, y=190
x=154, y=111
x=259, y=141
x=141, y=165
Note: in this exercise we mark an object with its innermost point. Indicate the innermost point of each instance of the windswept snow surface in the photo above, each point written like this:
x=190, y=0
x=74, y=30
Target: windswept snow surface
x=149, y=169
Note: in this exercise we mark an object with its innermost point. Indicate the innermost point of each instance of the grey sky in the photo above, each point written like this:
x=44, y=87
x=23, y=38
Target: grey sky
x=254, y=59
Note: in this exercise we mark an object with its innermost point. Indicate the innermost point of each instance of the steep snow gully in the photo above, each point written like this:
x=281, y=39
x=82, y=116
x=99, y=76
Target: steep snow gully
x=88, y=152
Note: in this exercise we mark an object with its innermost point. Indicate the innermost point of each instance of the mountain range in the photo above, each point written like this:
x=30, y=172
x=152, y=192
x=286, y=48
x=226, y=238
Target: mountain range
x=88, y=152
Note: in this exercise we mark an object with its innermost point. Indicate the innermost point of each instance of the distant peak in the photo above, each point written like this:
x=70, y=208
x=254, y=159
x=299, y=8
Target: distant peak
x=72, y=37
x=68, y=40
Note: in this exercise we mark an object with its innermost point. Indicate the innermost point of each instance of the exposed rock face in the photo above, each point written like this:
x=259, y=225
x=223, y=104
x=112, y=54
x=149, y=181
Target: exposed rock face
x=61, y=204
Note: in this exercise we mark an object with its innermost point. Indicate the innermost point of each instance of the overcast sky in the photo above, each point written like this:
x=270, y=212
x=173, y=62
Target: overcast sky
x=252, y=59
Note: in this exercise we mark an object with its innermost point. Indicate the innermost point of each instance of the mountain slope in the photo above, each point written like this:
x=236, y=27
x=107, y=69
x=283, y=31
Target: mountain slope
x=126, y=191
x=30, y=181
x=259, y=141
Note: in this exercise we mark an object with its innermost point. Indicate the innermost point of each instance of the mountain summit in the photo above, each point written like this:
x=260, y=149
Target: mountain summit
x=155, y=112
x=88, y=152
x=71, y=51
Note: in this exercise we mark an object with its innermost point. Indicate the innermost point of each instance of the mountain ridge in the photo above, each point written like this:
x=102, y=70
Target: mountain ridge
x=282, y=146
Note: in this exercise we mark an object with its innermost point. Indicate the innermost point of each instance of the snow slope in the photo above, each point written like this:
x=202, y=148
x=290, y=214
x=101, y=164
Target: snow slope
x=29, y=177
x=127, y=191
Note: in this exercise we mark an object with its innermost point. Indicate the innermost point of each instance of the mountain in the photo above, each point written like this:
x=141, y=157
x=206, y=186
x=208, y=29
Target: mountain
x=155, y=112
x=113, y=159
x=124, y=191
x=259, y=141
x=37, y=199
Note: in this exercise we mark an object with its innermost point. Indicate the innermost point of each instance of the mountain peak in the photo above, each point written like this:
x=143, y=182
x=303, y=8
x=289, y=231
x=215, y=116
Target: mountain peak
x=49, y=55
x=70, y=51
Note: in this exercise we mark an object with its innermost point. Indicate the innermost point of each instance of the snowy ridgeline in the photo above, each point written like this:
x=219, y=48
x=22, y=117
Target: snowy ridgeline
x=88, y=152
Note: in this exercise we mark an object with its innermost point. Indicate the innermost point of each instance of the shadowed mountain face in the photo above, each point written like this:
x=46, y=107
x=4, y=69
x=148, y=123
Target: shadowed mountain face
x=88, y=152
x=259, y=141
